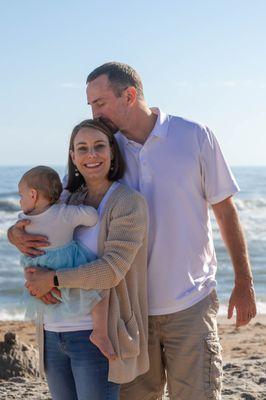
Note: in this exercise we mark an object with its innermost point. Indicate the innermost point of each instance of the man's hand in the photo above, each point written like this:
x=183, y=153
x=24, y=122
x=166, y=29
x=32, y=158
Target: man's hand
x=26, y=243
x=39, y=281
x=243, y=296
x=243, y=300
x=50, y=298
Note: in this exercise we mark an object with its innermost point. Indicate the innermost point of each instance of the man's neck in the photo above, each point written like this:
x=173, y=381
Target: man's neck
x=140, y=125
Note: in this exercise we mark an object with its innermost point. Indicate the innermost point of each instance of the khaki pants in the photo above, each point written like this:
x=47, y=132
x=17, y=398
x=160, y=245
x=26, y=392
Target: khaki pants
x=185, y=352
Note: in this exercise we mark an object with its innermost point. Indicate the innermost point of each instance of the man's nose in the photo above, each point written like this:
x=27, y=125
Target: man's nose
x=95, y=112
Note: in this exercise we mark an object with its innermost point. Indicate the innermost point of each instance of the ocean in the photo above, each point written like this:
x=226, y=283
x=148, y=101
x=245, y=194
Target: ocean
x=251, y=204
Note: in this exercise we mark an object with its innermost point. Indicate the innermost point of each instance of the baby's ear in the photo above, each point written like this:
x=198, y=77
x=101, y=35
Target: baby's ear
x=33, y=194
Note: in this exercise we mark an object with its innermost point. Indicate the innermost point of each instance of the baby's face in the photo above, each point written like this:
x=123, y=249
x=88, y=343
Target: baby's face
x=27, y=197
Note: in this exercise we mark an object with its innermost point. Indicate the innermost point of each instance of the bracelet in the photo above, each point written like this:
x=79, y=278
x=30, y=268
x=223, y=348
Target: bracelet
x=56, y=283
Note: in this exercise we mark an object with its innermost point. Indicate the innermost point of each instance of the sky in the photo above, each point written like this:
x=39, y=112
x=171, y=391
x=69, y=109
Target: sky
x=202, y=60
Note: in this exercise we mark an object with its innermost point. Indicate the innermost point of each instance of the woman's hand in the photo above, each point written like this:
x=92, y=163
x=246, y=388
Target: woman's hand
x=25, y=242
x=50, y=298
x=39, y=281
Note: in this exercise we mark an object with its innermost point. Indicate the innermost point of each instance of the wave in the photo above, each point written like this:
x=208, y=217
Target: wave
x=16, y=314
x=11, y=315
x=250, y=204
x=261, y=308
x=8, y=194
x=9, y=205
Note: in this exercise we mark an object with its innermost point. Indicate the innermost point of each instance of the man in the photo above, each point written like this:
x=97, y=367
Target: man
x=179, y=168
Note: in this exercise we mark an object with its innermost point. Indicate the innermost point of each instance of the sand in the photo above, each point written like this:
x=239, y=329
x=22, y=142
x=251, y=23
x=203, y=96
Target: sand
x=244, y=355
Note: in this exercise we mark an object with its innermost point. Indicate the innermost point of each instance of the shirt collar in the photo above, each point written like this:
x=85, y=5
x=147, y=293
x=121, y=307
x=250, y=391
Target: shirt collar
x=160, y=128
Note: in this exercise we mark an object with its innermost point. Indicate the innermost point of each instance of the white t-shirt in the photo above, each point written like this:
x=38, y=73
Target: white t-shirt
x=180, y=170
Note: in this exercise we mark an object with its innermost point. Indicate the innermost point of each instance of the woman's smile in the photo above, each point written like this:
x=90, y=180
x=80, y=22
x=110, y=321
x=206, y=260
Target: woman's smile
x=93, y=165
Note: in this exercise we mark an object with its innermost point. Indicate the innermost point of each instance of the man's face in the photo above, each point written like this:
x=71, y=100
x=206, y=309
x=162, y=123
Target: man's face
x=105, y=104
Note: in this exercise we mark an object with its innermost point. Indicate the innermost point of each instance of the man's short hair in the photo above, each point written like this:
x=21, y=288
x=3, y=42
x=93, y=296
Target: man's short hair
x=120, y=76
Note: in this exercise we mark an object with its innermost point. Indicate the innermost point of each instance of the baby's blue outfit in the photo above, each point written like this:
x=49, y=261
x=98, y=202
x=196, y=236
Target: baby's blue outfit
x=58, y=223
x=75, y=303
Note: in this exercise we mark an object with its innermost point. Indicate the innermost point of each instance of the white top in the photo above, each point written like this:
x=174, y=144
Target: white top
x=180, y=170
x=59, y=221
x=89, y=237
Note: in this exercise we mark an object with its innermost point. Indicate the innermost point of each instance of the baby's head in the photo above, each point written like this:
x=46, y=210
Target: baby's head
x=39, y=187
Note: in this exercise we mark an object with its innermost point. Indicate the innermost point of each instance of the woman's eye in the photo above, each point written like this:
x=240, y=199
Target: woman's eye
x=82, y=149
x=99, y=146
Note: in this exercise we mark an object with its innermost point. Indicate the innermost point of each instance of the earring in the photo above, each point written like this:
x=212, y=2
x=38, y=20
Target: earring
x=76, y=172
x=112, y=167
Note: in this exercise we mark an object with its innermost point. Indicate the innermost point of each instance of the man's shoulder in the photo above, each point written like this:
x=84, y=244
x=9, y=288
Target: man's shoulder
x=186, y=129
x=185, y=123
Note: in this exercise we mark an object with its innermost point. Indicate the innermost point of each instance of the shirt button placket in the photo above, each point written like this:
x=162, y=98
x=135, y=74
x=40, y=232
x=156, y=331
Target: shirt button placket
x=144, y=169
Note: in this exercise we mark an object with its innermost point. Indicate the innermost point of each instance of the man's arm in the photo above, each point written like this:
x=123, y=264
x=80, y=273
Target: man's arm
x=243, y=295
x=26, y=243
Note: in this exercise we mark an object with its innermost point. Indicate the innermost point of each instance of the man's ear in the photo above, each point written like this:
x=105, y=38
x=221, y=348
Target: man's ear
x=130, y=95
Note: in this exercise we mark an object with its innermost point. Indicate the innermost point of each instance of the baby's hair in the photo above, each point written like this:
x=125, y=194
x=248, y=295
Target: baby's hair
x=45, y=180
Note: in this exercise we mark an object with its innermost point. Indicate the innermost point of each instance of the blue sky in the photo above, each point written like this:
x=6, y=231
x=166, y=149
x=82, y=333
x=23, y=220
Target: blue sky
x=202, y=60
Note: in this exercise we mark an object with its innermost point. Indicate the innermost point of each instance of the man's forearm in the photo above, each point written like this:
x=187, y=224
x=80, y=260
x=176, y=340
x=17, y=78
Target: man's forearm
x=233, y=236
x=242, y=298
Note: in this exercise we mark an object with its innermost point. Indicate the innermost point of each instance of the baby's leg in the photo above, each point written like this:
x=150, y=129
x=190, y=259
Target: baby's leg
x=99, y=335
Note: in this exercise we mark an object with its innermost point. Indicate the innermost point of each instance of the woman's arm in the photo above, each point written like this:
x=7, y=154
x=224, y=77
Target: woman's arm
x=126, y=233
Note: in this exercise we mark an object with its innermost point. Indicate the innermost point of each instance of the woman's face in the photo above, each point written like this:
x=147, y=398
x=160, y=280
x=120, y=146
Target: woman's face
x=92, y=154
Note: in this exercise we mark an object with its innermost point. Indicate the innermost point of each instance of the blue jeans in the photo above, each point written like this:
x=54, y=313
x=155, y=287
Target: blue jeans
x=75, y=368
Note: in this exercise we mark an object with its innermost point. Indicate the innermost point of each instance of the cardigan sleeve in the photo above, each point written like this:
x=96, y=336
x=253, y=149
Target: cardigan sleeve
x=125, y=235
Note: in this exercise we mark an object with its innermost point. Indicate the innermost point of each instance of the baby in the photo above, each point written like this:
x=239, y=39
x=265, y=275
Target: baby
x=40, y=189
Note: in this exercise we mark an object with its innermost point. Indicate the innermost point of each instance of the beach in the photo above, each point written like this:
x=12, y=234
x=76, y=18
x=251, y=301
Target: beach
x=244, y=350
x=244, y=362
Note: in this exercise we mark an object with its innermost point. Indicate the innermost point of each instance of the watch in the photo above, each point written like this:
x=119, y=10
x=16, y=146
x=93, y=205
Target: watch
x=56, y=283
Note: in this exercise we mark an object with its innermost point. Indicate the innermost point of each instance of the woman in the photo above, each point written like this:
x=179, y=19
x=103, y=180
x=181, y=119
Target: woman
x=74, y=367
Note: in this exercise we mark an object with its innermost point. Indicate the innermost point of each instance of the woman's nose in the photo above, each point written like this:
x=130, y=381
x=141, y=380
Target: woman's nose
x=91, y=152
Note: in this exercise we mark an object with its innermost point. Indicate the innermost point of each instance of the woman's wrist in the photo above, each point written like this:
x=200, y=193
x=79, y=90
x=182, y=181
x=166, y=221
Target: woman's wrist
x=55, y=280
x=50, y=279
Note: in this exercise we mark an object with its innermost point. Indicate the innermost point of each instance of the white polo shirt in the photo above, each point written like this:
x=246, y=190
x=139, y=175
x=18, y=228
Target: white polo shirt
x=180, y=170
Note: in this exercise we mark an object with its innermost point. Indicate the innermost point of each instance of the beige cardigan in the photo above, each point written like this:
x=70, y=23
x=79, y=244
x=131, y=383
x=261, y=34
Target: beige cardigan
x=122, y=267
